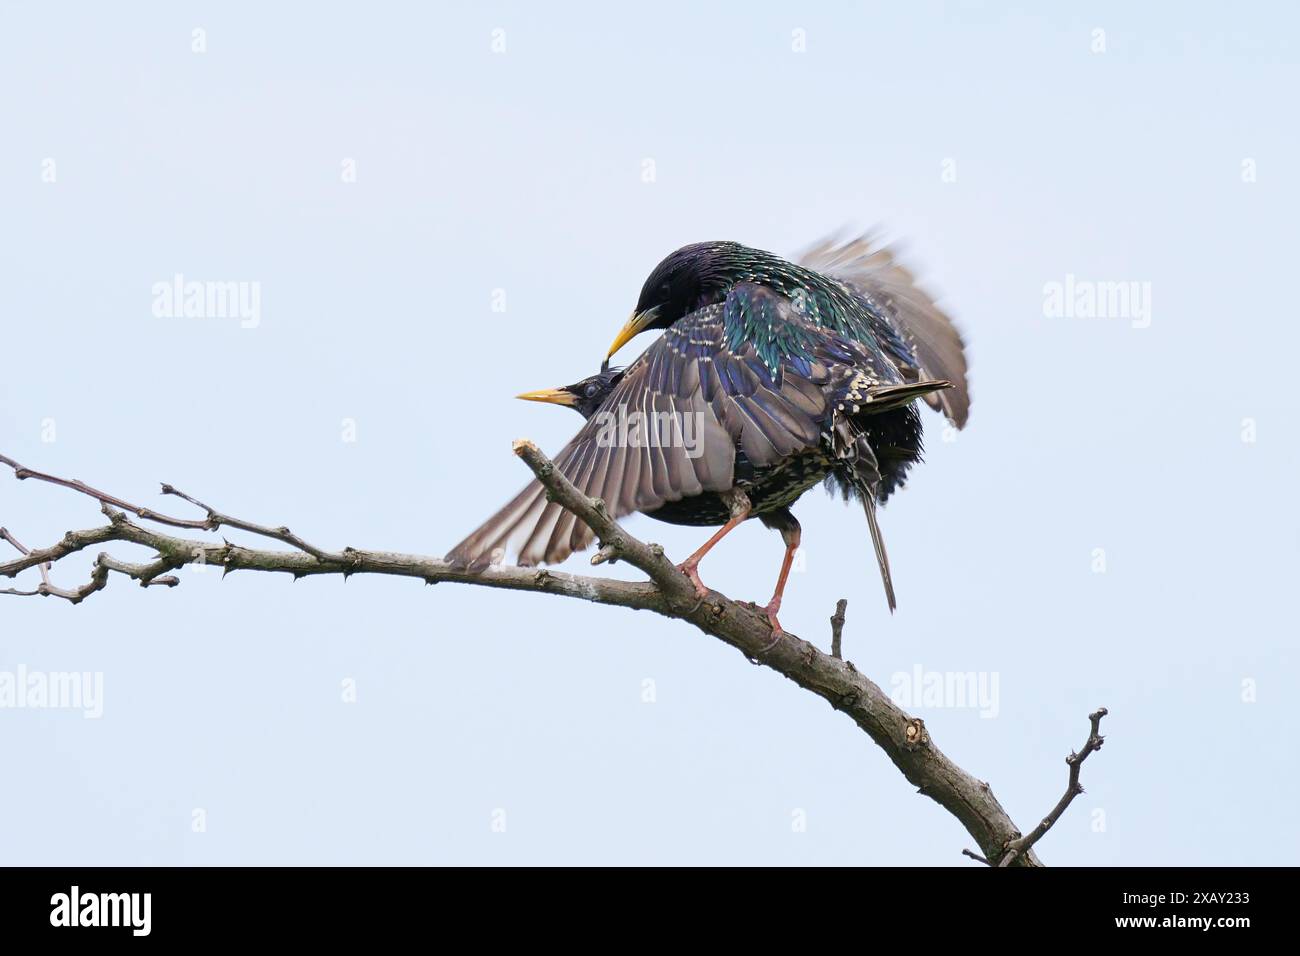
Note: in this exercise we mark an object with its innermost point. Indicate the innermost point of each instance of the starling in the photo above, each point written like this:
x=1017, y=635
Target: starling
x=770, y=377
x=584, y=397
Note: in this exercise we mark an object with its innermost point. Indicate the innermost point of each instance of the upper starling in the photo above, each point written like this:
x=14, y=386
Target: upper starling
x=769, y=378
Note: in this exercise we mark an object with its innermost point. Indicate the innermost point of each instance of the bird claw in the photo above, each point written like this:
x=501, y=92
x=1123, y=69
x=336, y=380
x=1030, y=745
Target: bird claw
x=688, y=569
x=777, y=629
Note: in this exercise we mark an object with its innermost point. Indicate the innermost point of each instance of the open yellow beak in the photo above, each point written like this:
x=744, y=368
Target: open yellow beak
x=634, y=327
x=556, y=396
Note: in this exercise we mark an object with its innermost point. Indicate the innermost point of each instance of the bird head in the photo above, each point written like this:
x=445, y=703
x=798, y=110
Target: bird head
x=585, y=397
x=689, y=278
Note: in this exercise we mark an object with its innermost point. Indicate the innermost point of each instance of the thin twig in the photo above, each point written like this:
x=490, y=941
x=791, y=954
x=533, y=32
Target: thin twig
x=605, y=555
x=212, y=522
x=218, y=520
x=21, y=472
x=1075, y=761
x=837, y=627
x=23, y=549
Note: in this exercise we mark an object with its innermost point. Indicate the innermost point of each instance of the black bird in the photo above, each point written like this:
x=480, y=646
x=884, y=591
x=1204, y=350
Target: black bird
x=584, y=397
x=769, y=378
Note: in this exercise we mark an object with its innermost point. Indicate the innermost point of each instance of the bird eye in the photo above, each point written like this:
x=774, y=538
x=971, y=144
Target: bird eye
x=591, y=390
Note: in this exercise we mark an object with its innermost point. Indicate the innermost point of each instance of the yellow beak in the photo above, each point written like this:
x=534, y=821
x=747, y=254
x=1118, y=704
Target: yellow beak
x=556, y=396
x=634, y=327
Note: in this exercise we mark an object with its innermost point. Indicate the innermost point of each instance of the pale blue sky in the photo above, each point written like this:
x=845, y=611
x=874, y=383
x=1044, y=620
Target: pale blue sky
x=522, y=171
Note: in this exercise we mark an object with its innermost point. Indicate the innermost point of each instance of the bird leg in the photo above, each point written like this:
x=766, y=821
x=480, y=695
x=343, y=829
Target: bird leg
x=738, y=502
x=790, y=534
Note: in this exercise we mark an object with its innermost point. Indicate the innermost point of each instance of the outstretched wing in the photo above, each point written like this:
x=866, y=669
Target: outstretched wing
x=745, y=373
x=910, y=325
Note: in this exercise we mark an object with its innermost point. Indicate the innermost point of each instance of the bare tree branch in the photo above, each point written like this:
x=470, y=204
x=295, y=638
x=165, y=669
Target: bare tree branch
x=669, y=592
x=1072, y=789
x=23, y=549
x=146, y=574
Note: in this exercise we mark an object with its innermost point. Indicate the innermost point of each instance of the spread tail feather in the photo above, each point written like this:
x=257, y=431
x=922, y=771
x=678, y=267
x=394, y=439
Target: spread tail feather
x=869, y=266
x=869, y=506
